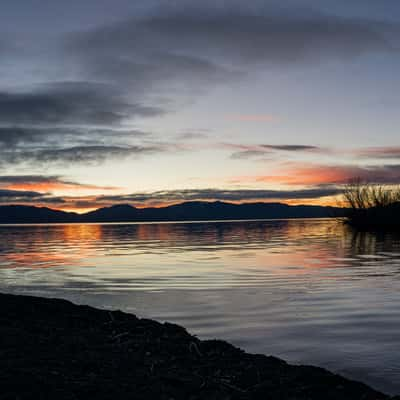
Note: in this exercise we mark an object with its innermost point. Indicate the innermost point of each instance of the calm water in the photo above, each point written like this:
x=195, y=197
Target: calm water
x=307, y=291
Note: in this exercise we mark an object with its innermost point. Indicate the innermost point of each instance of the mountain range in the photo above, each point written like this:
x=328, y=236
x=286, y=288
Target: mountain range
x=188, y=211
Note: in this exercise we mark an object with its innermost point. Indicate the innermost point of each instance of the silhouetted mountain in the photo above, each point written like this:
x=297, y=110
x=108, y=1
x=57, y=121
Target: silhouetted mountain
x=16, y=214
x=198, y=210
x=118, y=213
x=189, y=211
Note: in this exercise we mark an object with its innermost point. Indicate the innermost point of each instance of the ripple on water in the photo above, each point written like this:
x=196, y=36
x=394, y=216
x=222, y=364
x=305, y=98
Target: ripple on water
x=308, y=291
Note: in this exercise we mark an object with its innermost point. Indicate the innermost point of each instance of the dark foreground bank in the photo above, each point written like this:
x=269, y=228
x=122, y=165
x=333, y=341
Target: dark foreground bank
x=53, y=349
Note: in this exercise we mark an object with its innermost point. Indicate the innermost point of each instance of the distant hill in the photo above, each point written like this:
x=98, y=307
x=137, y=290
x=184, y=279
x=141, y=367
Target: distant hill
x=117, y=213
x=16, y=214
x=189, y=211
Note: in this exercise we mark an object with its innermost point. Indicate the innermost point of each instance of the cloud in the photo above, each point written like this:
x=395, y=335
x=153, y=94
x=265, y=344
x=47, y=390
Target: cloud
x=74, y=103
x=155, y=62
x=54, y=122
x=159, y=198
x=192, y=48
x=261, y=150
x=18, y=194
x=70, y=122
x=219, y=194
x=28, y=197
x=44, y=184
x=256, y=151
x=314, y=174
x=129, y=53
x=13, y=138
x=246, y=154
x=80, y=154
x=389, y=152
x=246, y=34
x=46, y=145
x=291, y=147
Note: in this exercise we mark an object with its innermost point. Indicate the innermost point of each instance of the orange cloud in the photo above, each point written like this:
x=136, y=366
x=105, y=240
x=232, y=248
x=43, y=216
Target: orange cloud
x=45, y=184
x=314, y=174
x=310, y=176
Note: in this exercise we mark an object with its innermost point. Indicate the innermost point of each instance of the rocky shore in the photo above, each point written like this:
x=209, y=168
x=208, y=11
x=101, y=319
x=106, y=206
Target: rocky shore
x=53, y=349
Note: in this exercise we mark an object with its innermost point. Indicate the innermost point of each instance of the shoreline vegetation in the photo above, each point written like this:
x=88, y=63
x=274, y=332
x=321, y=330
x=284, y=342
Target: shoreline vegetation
x=372, y=207
x=53, y=349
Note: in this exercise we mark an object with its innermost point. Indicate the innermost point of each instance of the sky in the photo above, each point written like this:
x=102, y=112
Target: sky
x=158, y=102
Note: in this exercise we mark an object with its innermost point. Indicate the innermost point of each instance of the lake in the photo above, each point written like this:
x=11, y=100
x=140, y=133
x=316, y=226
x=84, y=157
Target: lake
x=308, y=291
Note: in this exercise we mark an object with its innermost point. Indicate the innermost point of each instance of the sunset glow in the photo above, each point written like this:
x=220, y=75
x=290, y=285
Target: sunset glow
x=278, y=113
x=232, y=166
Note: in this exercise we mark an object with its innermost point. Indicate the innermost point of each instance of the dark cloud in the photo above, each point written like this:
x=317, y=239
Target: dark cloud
x=262, y=150
x=162, y=197
x=129, y=52
x=291, y=147
x=245, y=154
x=71, y=144
x=12, y=136
x=75, y=103
x=16, y=136
x=148, y=64
x=27, y=197
x=12, y=179
x=80, y=154
x=209, y=44
x=219, y=194
x=89, y=154
x=274, y=36
x=19, y=136
x=179, y=50
x=16, y=194
x=74, y=122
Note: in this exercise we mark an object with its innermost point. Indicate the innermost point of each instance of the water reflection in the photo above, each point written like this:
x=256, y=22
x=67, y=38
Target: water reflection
x=311, y=291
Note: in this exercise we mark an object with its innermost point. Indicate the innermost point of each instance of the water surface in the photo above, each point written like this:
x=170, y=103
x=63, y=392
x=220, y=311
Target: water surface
x=309, y=291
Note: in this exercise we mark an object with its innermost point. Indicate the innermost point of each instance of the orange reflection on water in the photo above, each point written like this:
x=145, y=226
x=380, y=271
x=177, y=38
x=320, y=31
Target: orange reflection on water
x=39, y=259
x=273, y=245
x=84, y=233
x=162, y=232
x=49, y=246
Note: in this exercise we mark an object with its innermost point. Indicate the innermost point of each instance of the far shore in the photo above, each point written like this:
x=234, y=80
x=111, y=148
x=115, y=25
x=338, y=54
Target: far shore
x=187, y=211
x=195, y=221
x=53, y=349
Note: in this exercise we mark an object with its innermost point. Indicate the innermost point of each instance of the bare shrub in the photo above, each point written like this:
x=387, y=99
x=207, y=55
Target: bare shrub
x=359, y=195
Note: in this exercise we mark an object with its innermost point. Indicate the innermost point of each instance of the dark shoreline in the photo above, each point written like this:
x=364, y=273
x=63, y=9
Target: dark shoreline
x=186, y=211
x=53, y=349
x=378, y=219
